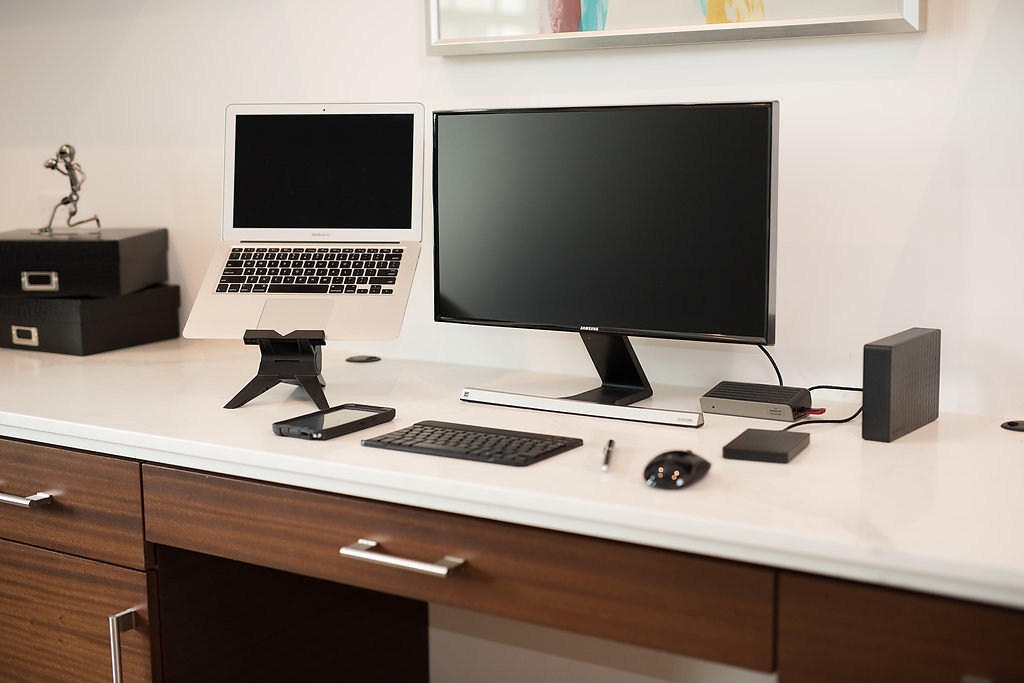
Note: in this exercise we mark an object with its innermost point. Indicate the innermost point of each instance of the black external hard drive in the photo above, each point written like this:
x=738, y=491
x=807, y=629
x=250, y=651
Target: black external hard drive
x=766, y=445
x=901, y=383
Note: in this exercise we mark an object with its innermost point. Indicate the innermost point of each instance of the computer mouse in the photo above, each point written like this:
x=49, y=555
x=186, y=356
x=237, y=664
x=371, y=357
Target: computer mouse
x=675, y=469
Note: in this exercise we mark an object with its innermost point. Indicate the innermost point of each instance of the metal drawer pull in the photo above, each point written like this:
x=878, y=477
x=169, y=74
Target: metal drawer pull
x=361, y=551
x=119, y=623
x=33, y=501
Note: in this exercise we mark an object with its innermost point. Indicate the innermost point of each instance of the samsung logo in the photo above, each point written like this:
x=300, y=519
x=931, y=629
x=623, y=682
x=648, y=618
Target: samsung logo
x=587, y=328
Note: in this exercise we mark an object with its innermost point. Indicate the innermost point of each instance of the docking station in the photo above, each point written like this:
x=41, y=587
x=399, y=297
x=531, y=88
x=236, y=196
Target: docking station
x=765, y=401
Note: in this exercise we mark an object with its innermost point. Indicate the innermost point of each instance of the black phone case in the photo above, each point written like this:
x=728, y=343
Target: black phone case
x=287, y=428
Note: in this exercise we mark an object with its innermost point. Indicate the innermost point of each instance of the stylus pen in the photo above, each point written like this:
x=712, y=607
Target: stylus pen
x=608, y=455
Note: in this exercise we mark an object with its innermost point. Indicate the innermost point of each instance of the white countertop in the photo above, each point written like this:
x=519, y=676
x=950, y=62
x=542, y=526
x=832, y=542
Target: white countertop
x=939, y=510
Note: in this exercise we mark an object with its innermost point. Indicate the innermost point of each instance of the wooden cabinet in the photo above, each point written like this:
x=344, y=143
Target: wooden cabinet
x=72, y=555
x=223, y=553
x=841, y=631
x=703, y=607
x=54, y=617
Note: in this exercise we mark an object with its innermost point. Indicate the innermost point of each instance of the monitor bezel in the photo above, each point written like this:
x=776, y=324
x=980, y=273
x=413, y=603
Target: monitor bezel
x=768, y=324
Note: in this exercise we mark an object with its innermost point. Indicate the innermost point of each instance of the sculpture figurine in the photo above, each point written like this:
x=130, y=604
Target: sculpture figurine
x=65, y=163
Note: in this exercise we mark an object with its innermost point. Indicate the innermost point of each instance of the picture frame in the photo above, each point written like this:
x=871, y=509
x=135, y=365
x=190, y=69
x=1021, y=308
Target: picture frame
x=464, y=27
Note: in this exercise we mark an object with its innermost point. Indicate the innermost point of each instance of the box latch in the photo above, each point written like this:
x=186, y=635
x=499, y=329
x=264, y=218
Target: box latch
x=39, y=281
x=24, y=336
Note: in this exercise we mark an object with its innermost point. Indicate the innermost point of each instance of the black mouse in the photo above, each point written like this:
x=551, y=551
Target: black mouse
x=675, y=469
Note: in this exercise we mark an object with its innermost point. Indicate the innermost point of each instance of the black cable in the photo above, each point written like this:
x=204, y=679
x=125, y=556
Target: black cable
x=838, y=421
x=837, y=388
x=774, y=364
x=823, y=422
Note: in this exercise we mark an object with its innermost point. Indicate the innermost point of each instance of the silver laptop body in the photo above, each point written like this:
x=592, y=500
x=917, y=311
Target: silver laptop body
x=322, y=221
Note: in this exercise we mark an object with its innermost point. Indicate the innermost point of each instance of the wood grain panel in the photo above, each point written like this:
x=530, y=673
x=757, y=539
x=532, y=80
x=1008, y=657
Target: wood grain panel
x=54, y=612
x=680, y=603
x=97, y=502
x=845, y=632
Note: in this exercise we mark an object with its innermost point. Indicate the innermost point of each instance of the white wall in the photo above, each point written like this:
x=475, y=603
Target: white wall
x=902, y=159
x=902, y=168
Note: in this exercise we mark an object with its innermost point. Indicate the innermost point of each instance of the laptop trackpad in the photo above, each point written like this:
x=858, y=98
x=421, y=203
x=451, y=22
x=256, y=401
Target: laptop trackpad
x=287, y=315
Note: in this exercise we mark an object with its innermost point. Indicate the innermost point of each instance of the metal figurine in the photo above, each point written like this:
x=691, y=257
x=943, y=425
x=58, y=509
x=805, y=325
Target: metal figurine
x=65, y=163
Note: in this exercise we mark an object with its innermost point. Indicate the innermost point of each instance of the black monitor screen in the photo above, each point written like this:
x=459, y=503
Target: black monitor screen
x=652, y=221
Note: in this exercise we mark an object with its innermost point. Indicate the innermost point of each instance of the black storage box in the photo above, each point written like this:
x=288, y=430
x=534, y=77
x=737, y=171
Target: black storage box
x=82, y=326
x=112, y=262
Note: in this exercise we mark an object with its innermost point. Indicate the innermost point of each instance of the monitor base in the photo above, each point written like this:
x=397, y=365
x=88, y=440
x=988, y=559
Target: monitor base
x=678, y=418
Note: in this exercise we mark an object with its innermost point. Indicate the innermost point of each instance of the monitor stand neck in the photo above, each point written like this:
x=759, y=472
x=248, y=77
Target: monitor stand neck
x=622, y=379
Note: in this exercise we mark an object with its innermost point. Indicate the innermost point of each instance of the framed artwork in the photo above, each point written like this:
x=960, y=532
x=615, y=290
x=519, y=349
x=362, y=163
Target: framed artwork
x=480, y=26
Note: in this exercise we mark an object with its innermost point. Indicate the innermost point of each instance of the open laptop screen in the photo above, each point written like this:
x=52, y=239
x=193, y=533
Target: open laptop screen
x=323, y=171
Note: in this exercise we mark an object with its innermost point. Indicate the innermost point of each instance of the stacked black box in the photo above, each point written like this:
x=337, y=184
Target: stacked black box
x=82, y=293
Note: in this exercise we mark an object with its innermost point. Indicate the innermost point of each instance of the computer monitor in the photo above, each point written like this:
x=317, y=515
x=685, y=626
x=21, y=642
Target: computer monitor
x=609, y=222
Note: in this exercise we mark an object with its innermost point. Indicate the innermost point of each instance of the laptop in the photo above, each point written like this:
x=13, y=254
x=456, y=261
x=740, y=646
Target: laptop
x=322, y=221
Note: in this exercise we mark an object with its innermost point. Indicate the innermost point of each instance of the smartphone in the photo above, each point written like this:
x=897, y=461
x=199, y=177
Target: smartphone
x=336, y=421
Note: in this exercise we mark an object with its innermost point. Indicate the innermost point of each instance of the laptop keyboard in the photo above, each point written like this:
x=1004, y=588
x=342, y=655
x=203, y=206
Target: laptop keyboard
x=311, y=270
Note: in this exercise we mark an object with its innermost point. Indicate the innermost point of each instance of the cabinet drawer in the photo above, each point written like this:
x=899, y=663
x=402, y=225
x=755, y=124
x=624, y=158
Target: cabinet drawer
x=843, y=631
x=665, y=600
x=95, y=507
x=54, y=617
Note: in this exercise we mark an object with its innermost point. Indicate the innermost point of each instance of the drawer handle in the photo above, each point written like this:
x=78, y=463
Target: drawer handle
x=30, y=502
x=119, y=623
x=361, y=550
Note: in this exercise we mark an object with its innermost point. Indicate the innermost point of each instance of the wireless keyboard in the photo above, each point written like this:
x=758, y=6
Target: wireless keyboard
x=470, y=442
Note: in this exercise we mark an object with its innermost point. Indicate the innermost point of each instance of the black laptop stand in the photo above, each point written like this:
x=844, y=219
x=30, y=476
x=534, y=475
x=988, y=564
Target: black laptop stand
x=294, y=358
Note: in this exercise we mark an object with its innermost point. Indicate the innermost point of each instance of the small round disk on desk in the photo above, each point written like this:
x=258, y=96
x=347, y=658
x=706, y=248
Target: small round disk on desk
x=362, y=358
